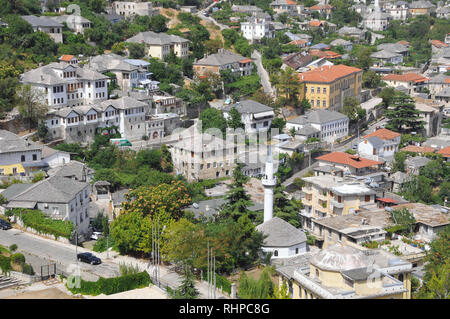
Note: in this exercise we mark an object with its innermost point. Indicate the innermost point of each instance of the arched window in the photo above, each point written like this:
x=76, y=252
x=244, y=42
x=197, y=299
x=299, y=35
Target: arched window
x=275, y=253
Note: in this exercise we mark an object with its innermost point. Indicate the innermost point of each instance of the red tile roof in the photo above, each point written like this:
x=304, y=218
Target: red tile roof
x=66, y=57
x=246, y=61
x=348, y=159
x=403, y=42
x=407, y=77
x=387, y=200
x=439, y=44
x=384, y=134
x=328, y=74
x=325, y=54
x=298, y=42
x=315, y=23
x=445, y=151
x=321, y=7
x=418, y=149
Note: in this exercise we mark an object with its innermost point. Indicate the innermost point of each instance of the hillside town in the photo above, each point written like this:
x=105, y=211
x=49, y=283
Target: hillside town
x=224, y=149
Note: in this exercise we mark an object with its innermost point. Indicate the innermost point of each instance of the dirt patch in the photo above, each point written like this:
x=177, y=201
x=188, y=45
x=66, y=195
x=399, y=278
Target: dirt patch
x=254, y=273
x=171, y=14
x=214, y=31
x=49, y=293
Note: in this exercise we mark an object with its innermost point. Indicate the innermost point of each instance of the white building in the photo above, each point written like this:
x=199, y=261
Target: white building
x=130, y=73
x=381, y=143
x=81, y=123
x=44, y=24
x=329, y=125
x=59, y=198
x=257, y=26
x=255, y=116
x=398, y=10
x=65, y=84
x=76, y=23
x=132, y=9
x=377, y=20
x=159, y=45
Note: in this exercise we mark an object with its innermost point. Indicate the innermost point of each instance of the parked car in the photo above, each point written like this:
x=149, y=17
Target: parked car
x=89, y=258
x=5, y=225
x=96, y=235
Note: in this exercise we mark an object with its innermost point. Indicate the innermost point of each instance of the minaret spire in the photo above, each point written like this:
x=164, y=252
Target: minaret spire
x=269, y=183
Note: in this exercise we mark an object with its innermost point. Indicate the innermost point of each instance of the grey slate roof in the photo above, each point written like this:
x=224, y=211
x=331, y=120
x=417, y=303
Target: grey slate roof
x=118, y=197
x=10, y=142
x=41, y=21
x=280, y=233
x=384, y=54
x=47, y=75
x=417, y=161
x=340, y=42
x=393, y=47
x=438, y=79
x=297, y=60
x=421, y=5
x=70, y=170
x=350, y=30
x=248, y=106
x=14, y=190
x=55, y=189
x=69, y=18
x=307, y=130
x=318, y=117
x=153, y=38
x=220, y=58
x=106, y=62
x=123, y=103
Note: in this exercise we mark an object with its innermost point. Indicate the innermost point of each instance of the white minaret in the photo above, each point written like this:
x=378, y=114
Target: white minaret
x=269, y=183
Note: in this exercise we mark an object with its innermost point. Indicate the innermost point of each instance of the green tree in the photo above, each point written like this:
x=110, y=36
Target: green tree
x=281, y=292
x=403, y=116
x=237, y=199
x=261, y=288
x=234, y=120
x=437, y=268
x=187, y=289
x=287, y=84
x=387, y=94
x=213, y=118
x=278, y=123
x=158, y=23
x=418, y=189
x=399, y=162
x=136, y=50
x=30, y=104
x=353, y=109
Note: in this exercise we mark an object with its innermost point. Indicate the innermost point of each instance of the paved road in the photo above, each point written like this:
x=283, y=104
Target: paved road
x=211, y=19
x=42, y=252
x=265, y=79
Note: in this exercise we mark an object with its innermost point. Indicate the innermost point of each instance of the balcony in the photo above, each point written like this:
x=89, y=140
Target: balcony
x=335, y=203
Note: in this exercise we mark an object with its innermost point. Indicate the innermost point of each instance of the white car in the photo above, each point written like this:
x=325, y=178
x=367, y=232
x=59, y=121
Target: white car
x=96, y=235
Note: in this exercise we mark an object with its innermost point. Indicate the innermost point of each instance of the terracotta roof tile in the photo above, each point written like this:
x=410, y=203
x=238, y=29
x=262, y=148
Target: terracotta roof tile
x=325, y=54
x=439, y=44
x=417, y=149
x=445, y=151
x=348, y=159
x=298, y=42
x=384, y=134
x=407, y=77
x=321, y=7
x=387, y=200
x=328, y=74
x=66, y=57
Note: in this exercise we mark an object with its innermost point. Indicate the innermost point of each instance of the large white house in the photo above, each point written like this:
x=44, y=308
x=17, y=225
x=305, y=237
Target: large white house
x=65, y=84
x=381, y=143
x=328, y=125
x=257, y=26
x=132, y=9
x=255, y=116
x=44, y=24
x=130, y=73
x=81, y=123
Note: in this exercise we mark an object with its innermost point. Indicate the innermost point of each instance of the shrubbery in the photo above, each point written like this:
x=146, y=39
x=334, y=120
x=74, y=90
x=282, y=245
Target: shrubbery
x=109, y=286
x=221, y=282
x=38, y=221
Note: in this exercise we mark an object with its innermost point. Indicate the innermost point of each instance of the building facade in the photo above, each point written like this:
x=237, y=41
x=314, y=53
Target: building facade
x=159, y=45
x=326, y=87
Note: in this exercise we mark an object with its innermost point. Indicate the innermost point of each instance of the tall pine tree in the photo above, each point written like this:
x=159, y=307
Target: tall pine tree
x=402, y=114
x=237, y=198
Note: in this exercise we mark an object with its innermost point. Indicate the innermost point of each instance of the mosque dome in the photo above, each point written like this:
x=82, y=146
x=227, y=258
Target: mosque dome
x=340, y=258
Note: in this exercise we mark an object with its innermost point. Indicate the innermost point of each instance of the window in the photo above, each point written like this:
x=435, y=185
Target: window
x=317, y=273
x=275, y=253
x=296, y=251
x=22, y=158
x=329, y=233
x=340, y=237
x=367, y=198
x=34, y=157
x=318, y=90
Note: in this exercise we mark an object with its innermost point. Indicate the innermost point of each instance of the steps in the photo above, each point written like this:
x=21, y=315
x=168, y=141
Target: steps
x=7, y=282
